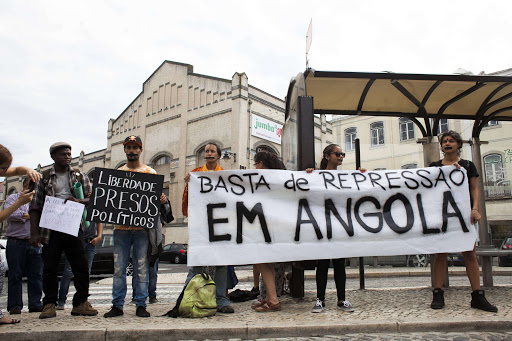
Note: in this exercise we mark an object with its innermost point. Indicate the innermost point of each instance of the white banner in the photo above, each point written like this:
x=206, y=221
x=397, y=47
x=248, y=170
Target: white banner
x=60, y=216
x=260, y=216
x=265, y=129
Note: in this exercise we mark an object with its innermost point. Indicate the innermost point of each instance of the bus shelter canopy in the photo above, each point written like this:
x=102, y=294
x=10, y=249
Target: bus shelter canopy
x=416, y=96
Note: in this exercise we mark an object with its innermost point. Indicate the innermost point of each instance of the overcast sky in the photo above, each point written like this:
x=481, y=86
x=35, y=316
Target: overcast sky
x=67, y=67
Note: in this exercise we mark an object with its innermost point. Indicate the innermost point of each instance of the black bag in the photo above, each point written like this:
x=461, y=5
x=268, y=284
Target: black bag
x=243, y=295
x=166, y=217
x=174, y=312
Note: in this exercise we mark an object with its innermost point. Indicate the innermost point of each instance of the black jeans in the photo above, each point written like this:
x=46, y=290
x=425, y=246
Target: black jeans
x=340, y=277
x=75, y=253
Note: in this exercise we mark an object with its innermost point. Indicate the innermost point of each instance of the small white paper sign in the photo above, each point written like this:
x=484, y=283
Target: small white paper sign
x=60, y=216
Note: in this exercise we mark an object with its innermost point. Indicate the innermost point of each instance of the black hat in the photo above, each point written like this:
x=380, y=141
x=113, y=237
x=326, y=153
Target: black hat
x=59, y=145
x=133, y=139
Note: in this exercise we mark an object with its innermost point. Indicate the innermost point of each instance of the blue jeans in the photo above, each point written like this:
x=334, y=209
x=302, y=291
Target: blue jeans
x=2, y=275
x=153, y=276
x=220, y=279
x=123, y=241
x=90, y=250
x=24, y=259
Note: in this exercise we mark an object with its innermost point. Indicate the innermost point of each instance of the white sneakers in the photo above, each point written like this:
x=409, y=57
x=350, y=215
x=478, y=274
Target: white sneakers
x=319, y=306
x=345, y=306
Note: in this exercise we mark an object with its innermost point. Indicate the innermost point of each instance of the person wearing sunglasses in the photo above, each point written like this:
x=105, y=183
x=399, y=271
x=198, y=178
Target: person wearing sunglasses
x=332, y=157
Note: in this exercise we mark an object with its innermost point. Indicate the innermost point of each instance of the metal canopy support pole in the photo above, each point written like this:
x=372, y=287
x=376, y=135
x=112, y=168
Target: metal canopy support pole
x=431, y=154
x=306, y=159
x=482, y=224
x=361, y=259
x=306, y=133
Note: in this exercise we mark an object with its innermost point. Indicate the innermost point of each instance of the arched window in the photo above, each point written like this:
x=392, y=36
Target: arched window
x=410, y=166
x=264, y=148
x=120, y=164
x=494, y=171
x=350, y=138
x=162, y=160
x=377, y=133
x=200, y=156
x=90, y=175
x=406, y=129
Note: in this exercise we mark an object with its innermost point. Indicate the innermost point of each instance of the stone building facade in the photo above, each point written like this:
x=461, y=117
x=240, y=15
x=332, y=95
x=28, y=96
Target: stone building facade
x=176, y=114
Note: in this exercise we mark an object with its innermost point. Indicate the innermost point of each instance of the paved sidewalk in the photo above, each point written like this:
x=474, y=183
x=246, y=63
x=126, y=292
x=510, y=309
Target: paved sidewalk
x=377, y=311
x=370, y=272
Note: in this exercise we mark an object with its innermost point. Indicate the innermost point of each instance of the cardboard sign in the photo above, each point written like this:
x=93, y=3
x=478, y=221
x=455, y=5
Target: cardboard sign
x=264, y=216
x=125, y=198
x=60, y=216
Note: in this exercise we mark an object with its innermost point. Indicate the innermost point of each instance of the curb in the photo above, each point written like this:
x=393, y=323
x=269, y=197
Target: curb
x=249, y=331
x=390, y=274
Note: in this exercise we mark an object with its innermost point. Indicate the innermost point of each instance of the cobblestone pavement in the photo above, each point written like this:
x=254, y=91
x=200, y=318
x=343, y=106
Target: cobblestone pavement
x=383, y=310
x=379, y=309
x=169, y=290
x=402, y=336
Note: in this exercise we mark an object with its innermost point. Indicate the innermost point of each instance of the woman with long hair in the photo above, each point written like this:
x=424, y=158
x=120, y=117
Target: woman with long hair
x=451, y=144
x=269, y=303
x=332, y=157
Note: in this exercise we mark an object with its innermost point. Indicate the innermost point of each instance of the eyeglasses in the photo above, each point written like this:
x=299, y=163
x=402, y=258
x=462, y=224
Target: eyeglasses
x=338, y=154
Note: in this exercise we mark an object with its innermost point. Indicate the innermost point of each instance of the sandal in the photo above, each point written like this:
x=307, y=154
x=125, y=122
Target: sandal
x=268, y=307
x=258, y=304
x=13, y=321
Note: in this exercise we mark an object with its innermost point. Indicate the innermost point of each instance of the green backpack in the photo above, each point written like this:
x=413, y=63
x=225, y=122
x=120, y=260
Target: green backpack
x=198, y=297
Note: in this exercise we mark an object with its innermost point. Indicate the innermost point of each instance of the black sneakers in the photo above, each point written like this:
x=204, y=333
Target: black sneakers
x=142, y=312
x=438, y=299
x=113, y=312
x=478, y=301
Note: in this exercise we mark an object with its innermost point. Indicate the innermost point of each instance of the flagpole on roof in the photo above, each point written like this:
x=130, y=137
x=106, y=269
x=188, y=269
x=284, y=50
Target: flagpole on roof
x=309, y=39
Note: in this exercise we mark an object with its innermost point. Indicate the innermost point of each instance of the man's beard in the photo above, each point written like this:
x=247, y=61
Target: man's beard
x=132, y=157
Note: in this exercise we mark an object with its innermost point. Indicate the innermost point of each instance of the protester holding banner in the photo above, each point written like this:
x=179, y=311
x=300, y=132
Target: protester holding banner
x=212, y=155
x=24, y=198
x=128, y=237
x=451, y=144
x=59, y=182
x=265, y=160
x=332, y=158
